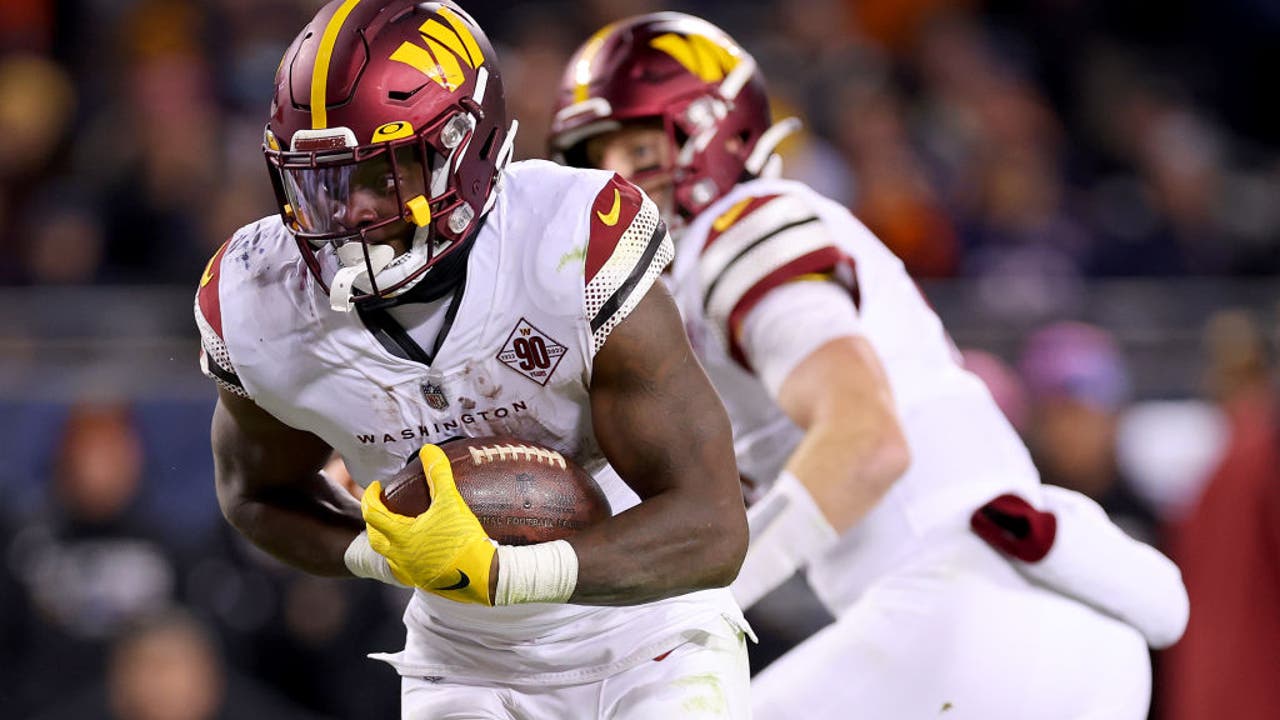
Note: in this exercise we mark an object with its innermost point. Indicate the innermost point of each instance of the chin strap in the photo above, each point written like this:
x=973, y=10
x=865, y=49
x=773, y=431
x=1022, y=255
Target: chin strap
x=355, y=271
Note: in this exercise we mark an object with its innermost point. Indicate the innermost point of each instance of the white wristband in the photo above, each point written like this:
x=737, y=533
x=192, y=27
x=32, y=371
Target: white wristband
x=787, y=531
x=363, y=561
x=546, y=572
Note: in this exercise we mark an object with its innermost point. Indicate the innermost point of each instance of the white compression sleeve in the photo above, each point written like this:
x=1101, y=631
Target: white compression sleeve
x=363, y=561
x=545, y=572
x=787, y=531
x=792, y=321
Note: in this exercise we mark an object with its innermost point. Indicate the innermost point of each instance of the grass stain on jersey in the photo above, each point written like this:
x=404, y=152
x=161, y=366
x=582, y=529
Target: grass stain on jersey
x=576, y=255
x=707, y=696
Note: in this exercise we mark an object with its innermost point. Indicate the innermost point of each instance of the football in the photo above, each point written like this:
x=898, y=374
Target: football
x=522, y=493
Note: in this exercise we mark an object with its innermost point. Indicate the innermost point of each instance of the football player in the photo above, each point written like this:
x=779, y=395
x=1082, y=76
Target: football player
x=415, y=286
x=879, y=451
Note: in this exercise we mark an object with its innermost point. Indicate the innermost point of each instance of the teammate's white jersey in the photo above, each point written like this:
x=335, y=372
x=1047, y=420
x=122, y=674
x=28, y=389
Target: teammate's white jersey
x=560, y=260
x=963, y=452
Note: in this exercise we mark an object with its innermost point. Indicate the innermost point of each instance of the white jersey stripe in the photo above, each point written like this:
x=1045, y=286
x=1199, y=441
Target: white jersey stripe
x=714, y=282
x=760, y=222
x=758, y=263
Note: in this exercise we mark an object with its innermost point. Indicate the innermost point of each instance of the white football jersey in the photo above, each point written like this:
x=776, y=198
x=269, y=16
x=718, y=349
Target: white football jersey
x=560, y=260
x=963, y=452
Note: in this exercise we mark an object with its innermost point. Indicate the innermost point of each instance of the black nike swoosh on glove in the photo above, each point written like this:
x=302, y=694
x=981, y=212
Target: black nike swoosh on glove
x=463, y=581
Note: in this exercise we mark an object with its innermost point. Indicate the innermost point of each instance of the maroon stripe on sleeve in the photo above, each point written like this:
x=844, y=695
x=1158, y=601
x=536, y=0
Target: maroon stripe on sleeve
x=824, y=259
x=207, y=296
x=612, y=212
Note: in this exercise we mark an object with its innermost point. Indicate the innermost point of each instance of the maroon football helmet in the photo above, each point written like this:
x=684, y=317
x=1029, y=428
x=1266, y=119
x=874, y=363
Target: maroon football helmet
x=385, y=112
x=687, y=74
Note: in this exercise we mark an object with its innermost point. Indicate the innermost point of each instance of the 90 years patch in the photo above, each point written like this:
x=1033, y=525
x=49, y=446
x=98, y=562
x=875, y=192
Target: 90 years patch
x=530, y=352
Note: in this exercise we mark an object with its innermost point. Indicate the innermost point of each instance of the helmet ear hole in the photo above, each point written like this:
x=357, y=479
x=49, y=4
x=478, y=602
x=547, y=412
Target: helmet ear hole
x=486, y=150
x=404, y=95
x=736, y=144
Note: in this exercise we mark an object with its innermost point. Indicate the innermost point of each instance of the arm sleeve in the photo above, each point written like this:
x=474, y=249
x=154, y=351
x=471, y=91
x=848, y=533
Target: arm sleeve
x=627, y=249
x=791, y=322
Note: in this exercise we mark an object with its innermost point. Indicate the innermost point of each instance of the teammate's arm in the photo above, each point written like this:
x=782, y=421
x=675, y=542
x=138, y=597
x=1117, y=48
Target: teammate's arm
x=803, y=341
x=853, y=448
x=662, y=427
x=271, y=490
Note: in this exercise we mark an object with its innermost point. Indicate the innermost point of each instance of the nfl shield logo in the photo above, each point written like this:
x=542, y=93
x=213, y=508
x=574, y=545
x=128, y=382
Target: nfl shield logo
x=434, y=395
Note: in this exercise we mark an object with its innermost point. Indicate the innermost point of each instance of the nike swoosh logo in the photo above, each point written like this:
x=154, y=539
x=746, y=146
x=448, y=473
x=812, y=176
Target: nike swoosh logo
x=208, y=271
x=463, y=581
x=208, y=268
x=611, y=218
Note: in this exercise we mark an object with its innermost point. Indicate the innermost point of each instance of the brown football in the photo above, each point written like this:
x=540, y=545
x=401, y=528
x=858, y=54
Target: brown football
x=523, y=493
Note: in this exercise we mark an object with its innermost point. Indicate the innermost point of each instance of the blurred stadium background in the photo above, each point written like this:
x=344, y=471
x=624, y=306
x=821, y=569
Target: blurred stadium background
x=1088, y=190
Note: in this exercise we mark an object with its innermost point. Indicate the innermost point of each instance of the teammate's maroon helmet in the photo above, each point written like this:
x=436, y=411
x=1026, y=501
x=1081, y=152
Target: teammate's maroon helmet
x=385, y=112
x=692, y=77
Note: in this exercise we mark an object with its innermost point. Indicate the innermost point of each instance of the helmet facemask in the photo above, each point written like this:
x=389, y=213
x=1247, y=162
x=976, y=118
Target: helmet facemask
x=371, y=207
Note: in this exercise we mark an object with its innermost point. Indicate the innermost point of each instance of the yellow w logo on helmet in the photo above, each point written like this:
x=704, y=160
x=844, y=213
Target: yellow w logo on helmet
x=708, y=59
x=447, y=47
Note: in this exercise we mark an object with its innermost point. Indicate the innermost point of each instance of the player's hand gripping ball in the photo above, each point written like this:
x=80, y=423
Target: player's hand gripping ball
x=443, y=550
x=434, y=526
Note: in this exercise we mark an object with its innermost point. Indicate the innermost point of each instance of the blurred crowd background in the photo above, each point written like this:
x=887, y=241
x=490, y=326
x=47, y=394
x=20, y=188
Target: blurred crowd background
x=1088, y=191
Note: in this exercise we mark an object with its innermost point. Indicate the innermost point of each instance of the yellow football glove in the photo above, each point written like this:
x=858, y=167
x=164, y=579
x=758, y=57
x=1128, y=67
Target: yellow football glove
x=444, y=550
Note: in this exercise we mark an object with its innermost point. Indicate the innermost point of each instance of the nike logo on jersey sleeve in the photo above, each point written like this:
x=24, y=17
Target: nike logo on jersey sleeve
x=208, y=268
x=611, y=218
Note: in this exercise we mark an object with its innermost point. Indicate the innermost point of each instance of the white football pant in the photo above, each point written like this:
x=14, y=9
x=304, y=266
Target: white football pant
x=960, y=635
x=707, y=678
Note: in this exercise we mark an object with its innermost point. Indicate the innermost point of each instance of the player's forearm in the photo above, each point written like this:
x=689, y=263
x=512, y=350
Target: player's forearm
x=848, y=464
x=668, y=545
x=854, y=448
x=835, y=477
x=690, y=531
x=307, y=527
